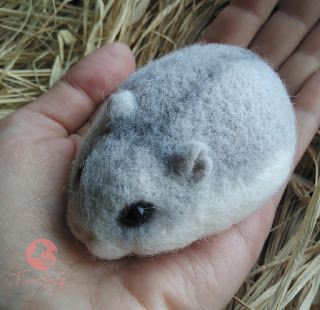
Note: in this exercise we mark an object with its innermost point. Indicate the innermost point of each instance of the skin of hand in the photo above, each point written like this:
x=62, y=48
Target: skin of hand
x=38, y=143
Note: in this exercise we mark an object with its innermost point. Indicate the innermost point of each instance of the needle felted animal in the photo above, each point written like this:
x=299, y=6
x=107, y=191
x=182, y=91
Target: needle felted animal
x=188, y=145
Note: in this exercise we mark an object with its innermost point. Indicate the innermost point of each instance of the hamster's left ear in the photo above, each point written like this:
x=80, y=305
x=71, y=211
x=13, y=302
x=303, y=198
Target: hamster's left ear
x=191, y=161
x=121, y=105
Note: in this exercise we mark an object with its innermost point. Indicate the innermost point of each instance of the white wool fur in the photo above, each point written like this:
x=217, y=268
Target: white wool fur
x=206, y=135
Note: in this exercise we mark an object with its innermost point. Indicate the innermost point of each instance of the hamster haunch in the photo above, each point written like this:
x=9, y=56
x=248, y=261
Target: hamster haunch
x=188, y=145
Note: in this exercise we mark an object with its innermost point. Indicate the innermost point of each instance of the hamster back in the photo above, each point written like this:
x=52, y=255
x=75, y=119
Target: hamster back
x=187, y=146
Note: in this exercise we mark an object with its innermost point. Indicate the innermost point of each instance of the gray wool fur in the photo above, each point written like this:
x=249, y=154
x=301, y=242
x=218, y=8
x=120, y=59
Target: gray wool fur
x=206, y=135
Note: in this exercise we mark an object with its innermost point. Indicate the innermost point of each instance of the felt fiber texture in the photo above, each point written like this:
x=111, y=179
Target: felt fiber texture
x=205, y=134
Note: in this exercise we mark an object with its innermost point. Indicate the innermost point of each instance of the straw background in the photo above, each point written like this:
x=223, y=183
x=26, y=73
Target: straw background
x=41, y=39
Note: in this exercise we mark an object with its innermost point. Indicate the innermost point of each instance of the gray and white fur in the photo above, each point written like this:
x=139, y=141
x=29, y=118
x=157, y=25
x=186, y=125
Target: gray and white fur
x=190, y=144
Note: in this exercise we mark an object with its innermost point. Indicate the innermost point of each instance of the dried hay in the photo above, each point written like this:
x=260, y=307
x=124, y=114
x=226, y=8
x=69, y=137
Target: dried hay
x=41, y=39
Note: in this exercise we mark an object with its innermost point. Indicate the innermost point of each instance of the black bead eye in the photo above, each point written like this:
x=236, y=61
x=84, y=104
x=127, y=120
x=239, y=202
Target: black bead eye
x=136, y=214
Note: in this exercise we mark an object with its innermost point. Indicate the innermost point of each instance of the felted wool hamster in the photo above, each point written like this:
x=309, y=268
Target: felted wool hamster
x=188, y=145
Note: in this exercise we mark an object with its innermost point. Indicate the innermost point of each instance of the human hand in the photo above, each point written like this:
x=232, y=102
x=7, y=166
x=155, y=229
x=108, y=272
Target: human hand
x=38, y=143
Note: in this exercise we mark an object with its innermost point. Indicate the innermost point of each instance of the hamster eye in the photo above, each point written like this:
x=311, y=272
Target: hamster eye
x=136, y=214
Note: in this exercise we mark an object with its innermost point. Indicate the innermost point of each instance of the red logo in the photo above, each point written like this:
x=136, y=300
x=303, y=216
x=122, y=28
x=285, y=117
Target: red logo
x=40, y=254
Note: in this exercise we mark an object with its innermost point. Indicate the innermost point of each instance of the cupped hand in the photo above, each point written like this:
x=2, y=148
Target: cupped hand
x=38, y=143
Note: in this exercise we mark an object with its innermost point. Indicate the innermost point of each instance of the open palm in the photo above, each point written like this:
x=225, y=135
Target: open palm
x=38, y=144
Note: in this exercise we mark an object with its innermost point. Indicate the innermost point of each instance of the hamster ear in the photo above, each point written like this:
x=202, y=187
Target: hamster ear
x=121, y=105
x=191, y=161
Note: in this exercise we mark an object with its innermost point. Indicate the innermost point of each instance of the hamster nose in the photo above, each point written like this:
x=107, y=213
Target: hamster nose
x=136, y=214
